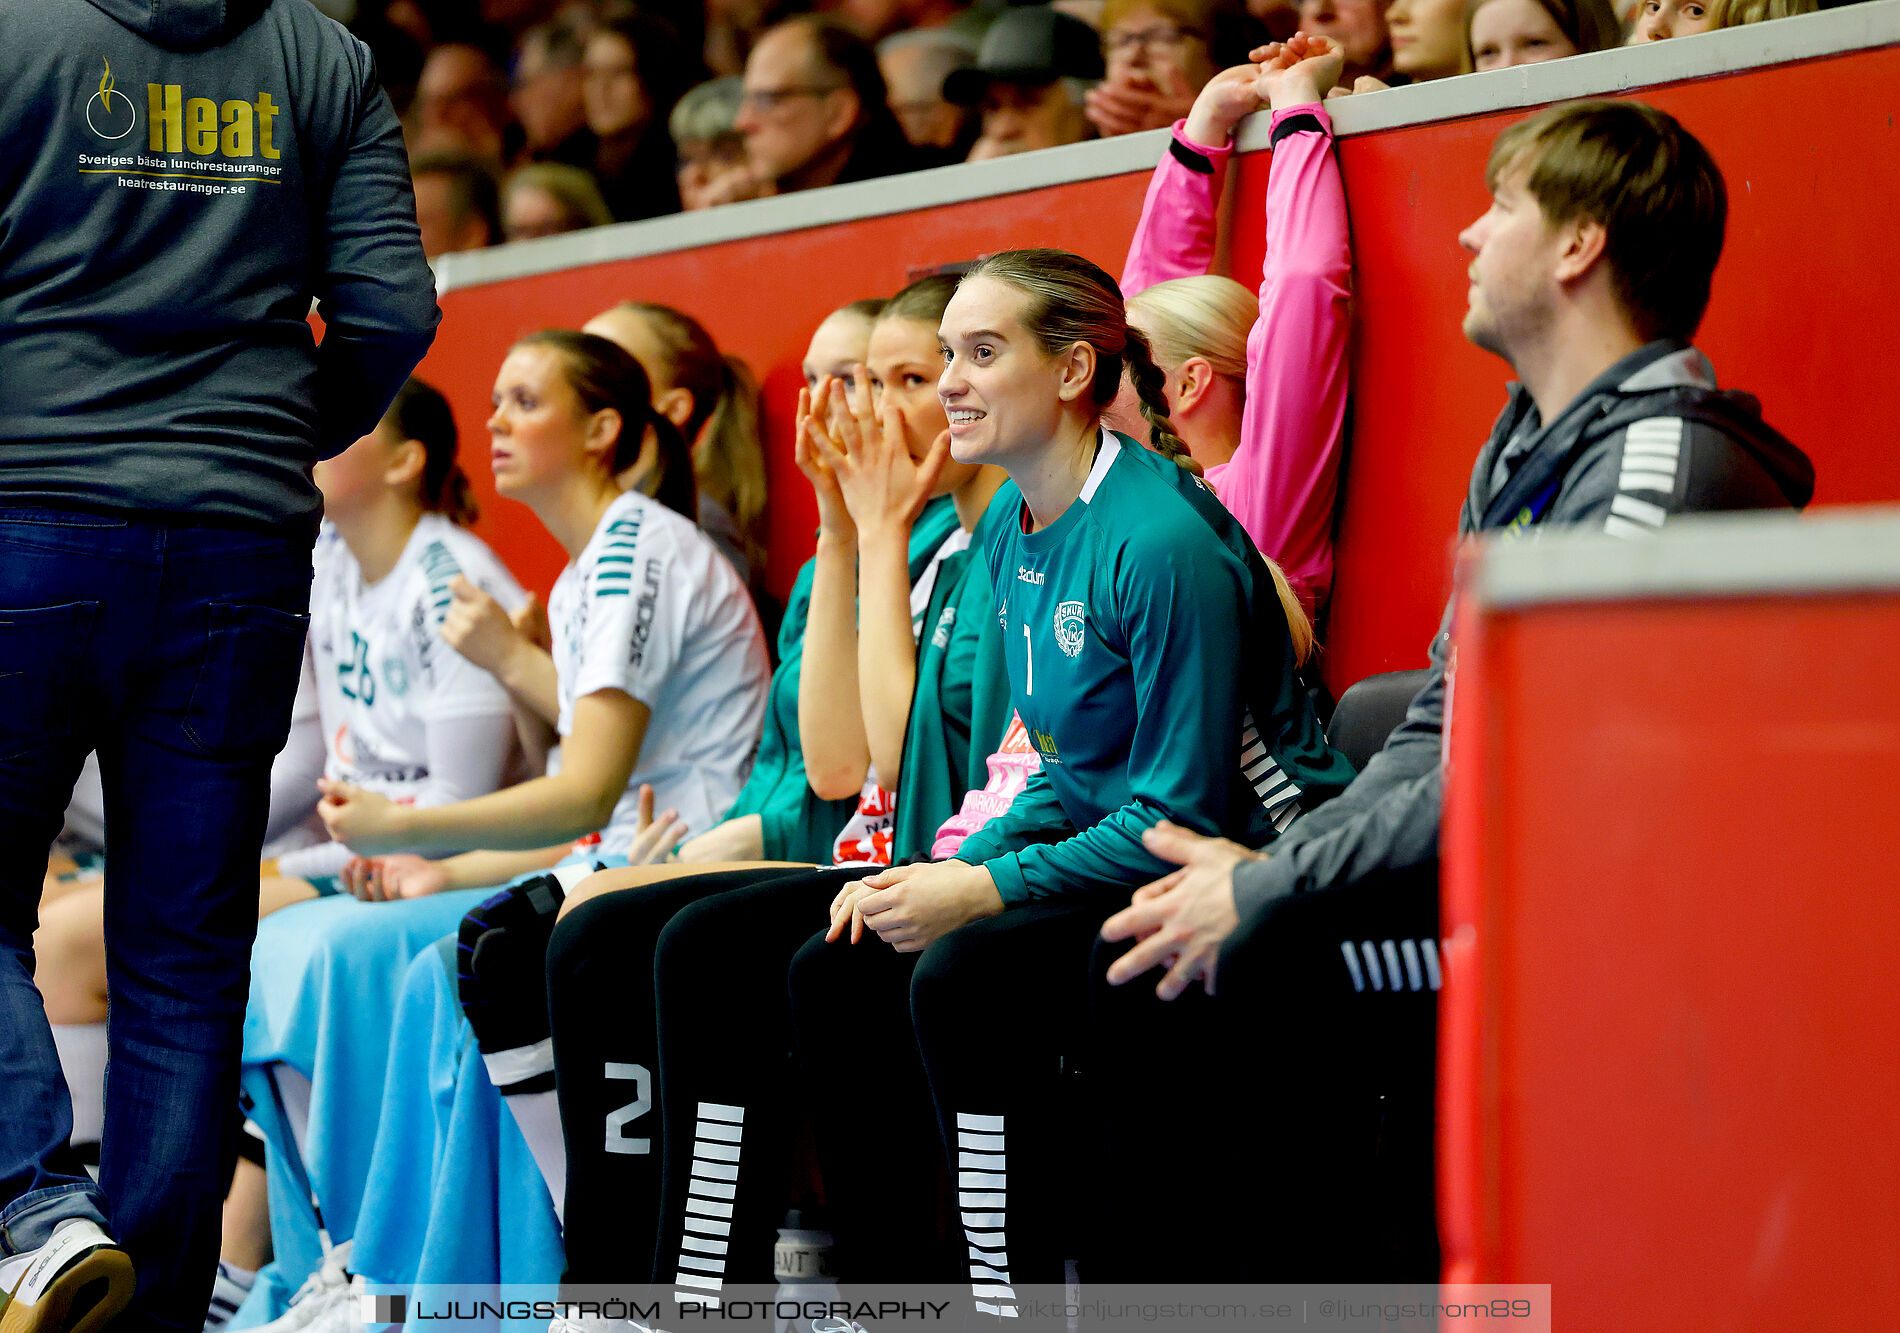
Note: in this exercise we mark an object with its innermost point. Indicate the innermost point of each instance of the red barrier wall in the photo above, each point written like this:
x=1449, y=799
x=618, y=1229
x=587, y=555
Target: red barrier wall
x=1804, y=315
x=1667, y=1076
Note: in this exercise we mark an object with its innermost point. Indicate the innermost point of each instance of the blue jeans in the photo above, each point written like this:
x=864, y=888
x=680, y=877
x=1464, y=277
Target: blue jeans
x=172, y=650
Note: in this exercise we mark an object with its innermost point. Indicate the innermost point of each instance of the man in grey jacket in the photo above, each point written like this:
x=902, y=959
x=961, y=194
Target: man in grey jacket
x=181, y=178
x=1589, y=274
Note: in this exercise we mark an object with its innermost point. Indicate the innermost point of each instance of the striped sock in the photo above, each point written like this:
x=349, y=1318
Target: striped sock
x=228, y=1292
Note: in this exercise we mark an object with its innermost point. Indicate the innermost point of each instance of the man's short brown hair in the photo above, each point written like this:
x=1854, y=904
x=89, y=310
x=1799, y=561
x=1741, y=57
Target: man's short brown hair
x=1648, y=181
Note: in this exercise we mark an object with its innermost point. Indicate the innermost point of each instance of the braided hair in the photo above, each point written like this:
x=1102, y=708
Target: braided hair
x=1151, y=388
x=1071, y=300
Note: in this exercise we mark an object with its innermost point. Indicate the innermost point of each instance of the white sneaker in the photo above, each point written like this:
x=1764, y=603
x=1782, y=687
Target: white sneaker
x=595, y=1324
x=74, y=1283
x=342, y=1316
x=325, y=1288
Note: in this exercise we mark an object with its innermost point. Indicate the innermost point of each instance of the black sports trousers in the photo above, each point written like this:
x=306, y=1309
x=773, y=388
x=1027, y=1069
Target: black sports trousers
x=603, y=1011
x=693, y=1196
x=1290, y=1136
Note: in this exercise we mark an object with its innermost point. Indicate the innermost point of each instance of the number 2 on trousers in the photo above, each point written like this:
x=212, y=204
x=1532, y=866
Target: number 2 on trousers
x=642, y=1102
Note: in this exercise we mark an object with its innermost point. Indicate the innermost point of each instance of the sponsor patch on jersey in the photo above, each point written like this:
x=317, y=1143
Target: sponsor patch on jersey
x=1069, y=622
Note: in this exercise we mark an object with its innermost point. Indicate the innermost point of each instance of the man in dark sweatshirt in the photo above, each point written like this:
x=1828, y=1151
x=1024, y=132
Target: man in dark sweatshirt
x=180, y=179
x=1589, y=274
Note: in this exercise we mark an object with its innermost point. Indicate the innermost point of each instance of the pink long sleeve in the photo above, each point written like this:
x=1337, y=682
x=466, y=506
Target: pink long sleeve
x=1175, y=237
x=1283, y=479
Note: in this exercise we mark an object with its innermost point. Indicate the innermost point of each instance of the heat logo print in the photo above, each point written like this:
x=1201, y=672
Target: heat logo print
x=109, y=109
x=1069, y=622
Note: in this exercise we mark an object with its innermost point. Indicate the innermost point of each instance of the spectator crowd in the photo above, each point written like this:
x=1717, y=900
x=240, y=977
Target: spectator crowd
x=528, y=118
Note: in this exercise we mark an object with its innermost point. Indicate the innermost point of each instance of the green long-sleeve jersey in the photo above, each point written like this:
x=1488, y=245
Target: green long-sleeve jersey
x=1150, y=660
x=795, y=823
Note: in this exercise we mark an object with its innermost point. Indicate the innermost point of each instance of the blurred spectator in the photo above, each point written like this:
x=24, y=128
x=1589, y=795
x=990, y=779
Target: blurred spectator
x=1503, y=33
x=1279, y=18
x=1658, y=19
x=548, y=198
x=458, y=205
x=712, y=166
x=1428, y=38
x=516, y=16
x=546, y=95
x=732, y=26
x=1030, y=79
x=461, y=105
x=1159, y=53
x=877, y=19
x=1359, y=28
x=915, y=64
x=814, y=109
x=636, y=69
x=1734, y=13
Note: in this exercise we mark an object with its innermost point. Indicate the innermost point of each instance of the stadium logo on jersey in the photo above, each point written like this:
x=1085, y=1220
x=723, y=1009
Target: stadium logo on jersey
x=1069, y=628
x=109, y=108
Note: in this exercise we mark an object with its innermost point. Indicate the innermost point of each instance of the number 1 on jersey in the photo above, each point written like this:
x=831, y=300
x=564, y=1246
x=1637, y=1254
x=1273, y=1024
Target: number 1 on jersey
x=1029, y=656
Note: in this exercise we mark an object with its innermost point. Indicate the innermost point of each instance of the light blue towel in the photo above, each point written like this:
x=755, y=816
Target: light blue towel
x=326, y=982
x=454, y=1197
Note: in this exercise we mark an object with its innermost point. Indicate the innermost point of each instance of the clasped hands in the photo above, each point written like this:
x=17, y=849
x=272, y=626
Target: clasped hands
x=911, y=907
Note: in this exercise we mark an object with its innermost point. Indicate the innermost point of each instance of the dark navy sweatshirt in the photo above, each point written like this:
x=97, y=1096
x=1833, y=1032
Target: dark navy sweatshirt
x=179, y=179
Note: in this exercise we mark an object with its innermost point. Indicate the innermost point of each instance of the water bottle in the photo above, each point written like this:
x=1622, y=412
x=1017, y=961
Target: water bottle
x=801, y=1261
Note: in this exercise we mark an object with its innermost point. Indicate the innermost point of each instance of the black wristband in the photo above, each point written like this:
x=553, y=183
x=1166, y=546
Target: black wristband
x=1305, y=122
x=1190, y=159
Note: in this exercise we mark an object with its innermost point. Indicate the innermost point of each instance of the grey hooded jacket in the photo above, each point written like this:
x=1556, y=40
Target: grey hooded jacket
x=180, y=179
x=1650, y=437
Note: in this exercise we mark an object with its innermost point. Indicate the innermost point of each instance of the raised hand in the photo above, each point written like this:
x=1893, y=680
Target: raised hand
x=1228, y=98
x=1298, y=71
x=884, y=487
x=814, y=409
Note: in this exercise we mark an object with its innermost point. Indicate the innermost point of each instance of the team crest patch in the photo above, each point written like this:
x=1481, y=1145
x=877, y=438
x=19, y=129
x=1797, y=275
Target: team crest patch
x=1069, y=628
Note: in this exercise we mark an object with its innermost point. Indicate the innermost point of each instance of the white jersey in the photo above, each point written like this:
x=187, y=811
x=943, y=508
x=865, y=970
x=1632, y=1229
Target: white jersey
x=652, y=609
x=384, y=672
